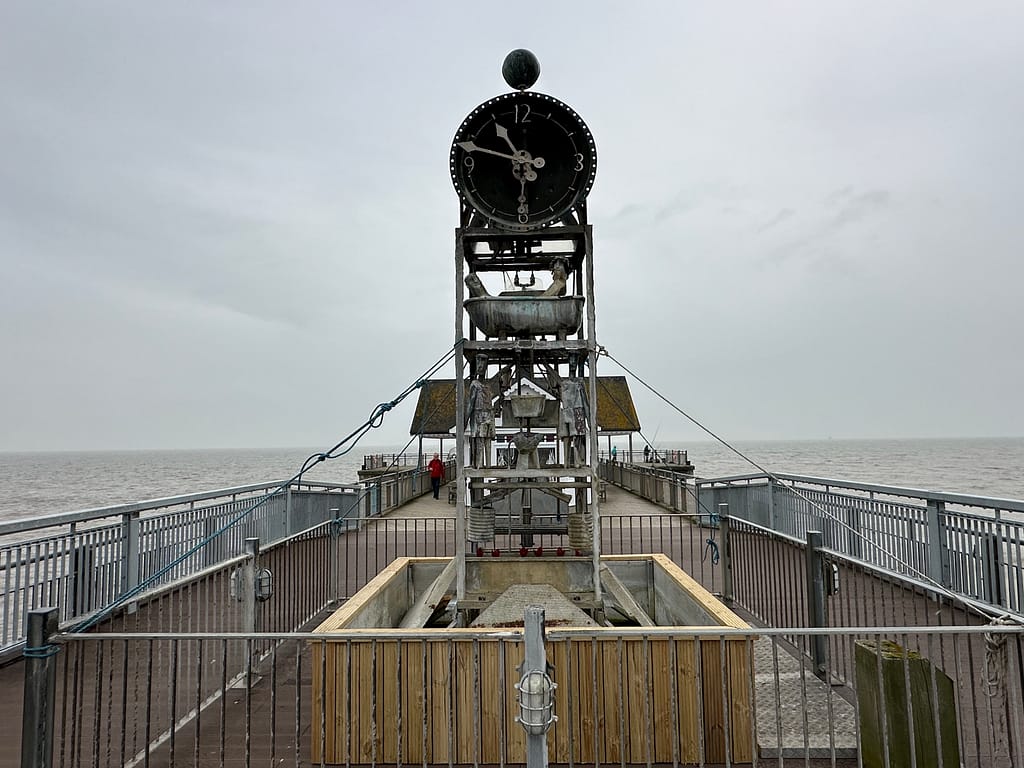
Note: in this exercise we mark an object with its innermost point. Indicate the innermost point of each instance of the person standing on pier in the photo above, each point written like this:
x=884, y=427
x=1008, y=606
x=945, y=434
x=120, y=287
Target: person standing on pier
x=436, y=467
x=647, y=453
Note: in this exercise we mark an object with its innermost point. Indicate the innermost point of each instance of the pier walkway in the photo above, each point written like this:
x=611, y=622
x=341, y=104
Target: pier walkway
x=809, y=719
x=140, y=690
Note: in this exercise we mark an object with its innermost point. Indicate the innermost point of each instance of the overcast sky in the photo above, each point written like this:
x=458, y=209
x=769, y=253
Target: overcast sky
x=231, y=224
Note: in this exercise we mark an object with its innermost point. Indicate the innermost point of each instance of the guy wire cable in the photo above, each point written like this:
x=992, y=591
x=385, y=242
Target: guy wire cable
x=624, y=412
x=377, y=416
x=375, y=483
x=962, y=599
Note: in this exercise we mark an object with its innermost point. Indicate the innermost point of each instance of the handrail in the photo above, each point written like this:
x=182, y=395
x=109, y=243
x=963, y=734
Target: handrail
x=553, y=632
x=20, y=525
x=1010, y=505
x=403, y=460
x=962, y=543
x=88, y=558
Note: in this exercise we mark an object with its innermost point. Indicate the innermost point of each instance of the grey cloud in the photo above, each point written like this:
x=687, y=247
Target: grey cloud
x=856, y=208
x=212, y=215
x=783, y=215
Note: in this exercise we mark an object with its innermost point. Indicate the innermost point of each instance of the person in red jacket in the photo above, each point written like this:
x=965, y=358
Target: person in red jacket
x=436, y=467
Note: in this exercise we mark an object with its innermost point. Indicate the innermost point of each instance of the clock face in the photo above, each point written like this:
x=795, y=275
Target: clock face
x=523, y=160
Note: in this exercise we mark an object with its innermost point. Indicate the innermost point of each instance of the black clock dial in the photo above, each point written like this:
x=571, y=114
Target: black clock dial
x=523, y=160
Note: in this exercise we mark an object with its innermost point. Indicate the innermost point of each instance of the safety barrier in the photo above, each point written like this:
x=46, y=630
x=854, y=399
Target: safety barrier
x=81, y=562
x=270, y=699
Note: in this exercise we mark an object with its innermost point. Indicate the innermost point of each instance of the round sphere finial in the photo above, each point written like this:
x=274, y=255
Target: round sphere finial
x=520, y=69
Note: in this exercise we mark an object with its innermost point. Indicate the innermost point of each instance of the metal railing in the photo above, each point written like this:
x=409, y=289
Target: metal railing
x=764, y=574
x=693, y=696
x=398, y=461
x=325, y=565
x=667, y=489
x=972, y=546
x=658, y=456
x=83, y=561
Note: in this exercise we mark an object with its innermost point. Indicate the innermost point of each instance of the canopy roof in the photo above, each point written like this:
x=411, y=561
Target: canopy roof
x=435, y=408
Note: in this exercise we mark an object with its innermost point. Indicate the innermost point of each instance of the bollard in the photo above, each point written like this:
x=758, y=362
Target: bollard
x=816, y=601
x=40, y=689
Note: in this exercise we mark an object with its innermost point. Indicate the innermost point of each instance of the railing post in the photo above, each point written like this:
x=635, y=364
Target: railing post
x=82, y=566
x=938, y=551
x=854, y=542
x=37, y=726
x=725, y=552
x=536, y=690
x=816, y=601
x=992, y=562
x=288, y=523
x=131, y=530
x=334, y=556
x=247, y=585
x=771, y=503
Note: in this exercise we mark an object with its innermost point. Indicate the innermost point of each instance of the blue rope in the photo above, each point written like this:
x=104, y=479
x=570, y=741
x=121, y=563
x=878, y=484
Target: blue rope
x=713, y=547
x=40, y=652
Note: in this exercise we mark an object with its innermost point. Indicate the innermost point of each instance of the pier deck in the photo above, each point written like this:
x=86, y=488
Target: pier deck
x=633, y=526
x=801, y=729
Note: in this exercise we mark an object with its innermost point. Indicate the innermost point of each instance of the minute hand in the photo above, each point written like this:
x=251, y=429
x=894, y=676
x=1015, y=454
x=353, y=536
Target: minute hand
x=519, y=157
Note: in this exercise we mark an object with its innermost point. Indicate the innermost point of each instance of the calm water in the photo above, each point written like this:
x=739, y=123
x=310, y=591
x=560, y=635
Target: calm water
x=981, y=466
x=45, y=483
x=34, y=484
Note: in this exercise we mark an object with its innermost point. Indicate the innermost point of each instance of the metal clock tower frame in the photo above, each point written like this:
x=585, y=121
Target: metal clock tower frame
x=563, y=355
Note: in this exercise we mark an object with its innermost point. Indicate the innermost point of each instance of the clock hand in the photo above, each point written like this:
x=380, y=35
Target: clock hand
x=502, y=132
x=523, y=207
x=518, y=157
x=537, y=162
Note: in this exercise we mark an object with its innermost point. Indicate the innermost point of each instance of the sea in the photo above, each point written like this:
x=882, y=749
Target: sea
x=42, y=483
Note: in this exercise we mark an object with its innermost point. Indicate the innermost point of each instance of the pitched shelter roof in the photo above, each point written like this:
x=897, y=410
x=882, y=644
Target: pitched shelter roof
x=615, y=409
x=435, y=408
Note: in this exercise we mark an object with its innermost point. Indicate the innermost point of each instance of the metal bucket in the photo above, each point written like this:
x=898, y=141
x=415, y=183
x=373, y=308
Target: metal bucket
x=526, y=315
